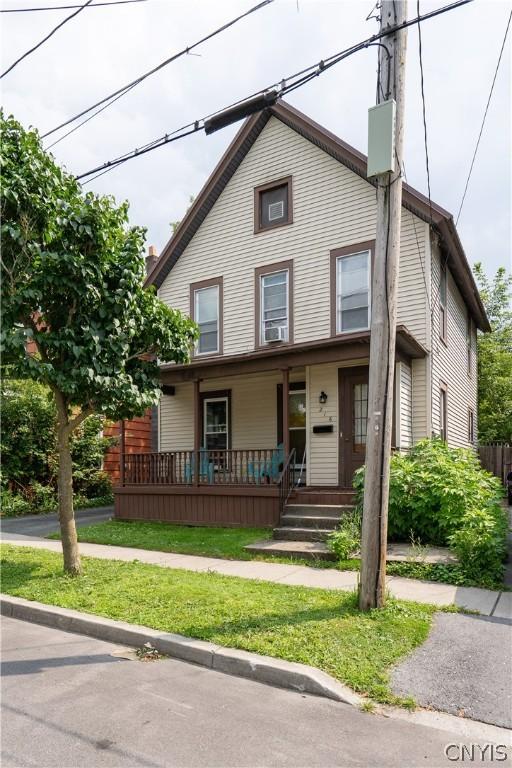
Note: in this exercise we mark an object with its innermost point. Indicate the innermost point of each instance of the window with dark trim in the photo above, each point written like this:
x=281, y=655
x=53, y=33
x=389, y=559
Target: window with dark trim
x=273, y=205
x=471, y=426
x=274, y=303
x=443, y=411
x=469, y=337
x=206, y=299
x=351, y=277
x=216, y=420
x=443, y=312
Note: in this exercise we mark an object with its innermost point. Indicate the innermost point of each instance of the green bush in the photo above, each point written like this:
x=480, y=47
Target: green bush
x=346, y=539
x=29, y=452
x=442, y=496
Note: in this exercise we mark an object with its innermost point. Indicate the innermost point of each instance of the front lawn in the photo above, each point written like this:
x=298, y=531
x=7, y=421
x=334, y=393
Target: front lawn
x=313, y=626
x=229, y=543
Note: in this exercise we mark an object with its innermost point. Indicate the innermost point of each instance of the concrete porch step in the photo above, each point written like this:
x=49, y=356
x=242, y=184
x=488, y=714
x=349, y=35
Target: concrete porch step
x=301, y=534
x=318, y=510
x=307, y=550
x=310, y=521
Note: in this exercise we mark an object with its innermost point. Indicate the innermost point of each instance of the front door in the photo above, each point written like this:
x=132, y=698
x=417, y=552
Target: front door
x=353, y=410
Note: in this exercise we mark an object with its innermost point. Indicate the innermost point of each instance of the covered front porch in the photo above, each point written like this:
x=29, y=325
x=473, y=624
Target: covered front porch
x=238, y=436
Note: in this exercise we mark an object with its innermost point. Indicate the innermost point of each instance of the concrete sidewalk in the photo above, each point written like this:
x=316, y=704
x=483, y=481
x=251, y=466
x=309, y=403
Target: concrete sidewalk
x=485, y=601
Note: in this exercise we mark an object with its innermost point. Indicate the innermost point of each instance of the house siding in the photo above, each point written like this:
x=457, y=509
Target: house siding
x=449, y=361
x=403, y=388
x=332, y=208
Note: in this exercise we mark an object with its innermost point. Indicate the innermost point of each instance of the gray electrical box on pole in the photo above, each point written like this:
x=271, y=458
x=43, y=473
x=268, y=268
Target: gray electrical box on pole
x=381, y=138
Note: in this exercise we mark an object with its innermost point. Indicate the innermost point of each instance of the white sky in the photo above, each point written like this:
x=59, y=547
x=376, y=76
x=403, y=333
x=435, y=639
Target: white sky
x=104, y=48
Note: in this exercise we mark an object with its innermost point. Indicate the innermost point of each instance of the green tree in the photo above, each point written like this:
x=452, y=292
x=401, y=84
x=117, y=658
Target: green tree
x=76, y=315
x=495, y=358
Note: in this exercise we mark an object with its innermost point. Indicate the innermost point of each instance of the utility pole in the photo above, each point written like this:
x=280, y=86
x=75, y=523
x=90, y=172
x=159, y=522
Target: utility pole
x=390, y=86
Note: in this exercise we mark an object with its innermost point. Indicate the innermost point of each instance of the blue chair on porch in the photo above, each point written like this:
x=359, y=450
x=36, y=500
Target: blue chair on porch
x=206, y=468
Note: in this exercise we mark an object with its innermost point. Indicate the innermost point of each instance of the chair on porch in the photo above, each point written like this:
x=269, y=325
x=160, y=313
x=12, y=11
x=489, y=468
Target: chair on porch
x=267, y=470
x=206, y=468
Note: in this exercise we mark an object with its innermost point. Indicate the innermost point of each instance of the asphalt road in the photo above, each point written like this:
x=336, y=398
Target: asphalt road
x=42, y=525
x=464, y=667
x=67, y=701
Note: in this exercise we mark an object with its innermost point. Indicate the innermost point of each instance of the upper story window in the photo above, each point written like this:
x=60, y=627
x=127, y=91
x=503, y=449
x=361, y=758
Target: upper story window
x=353, y=290
x=206, y=306
x=274, y=305
x=273, y=205
x=469, y=337
x=443, y=313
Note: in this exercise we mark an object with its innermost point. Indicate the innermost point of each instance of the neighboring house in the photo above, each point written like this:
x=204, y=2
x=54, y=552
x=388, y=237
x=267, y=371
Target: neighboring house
x=273, y=260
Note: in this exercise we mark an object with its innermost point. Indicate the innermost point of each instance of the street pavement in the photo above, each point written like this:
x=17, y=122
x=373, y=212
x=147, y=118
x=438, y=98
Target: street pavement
x=67, y=701
x=464, y=667
x=43, y=525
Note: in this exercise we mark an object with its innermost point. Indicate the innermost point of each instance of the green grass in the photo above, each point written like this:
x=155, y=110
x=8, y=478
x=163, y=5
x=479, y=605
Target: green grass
x=229, y=543
x=313, y=626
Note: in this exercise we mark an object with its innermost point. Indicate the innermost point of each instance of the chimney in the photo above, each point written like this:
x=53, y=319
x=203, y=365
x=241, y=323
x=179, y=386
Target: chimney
x=151, y=259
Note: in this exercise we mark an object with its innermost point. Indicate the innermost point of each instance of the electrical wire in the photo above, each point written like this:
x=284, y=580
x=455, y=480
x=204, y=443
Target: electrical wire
x=301, y=78
x=128, y=87
x=67, y=7
x=40, y=43
x=427, y=164
x=484, y=118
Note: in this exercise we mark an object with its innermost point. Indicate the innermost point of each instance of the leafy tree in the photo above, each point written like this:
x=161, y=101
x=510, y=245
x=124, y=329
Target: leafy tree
x=495, y=358
x=76, y=315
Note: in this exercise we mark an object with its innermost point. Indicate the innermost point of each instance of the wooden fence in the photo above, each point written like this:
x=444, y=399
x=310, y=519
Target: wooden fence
x=496, y=458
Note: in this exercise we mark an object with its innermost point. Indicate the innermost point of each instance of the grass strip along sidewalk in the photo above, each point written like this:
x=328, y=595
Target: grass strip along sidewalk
x=312, y=626
x=229, y=543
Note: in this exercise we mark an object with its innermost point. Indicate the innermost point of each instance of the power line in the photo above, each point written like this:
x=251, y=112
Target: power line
x=121, y=91
x=484, y=118
x=67, y=7
x=285, y=86
x=427, y=164
x=54, y=30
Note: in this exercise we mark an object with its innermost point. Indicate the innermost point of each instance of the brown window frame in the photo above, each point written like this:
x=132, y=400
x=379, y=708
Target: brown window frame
x=443, y=306
x=258, y=227
x=197, y=286
x=443, y=411
x=259, y=272
x=217, y=394
x=471, y=426
x=349, y=250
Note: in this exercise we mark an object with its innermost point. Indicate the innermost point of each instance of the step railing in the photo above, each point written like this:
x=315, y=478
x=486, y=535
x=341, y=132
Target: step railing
x=286, y=482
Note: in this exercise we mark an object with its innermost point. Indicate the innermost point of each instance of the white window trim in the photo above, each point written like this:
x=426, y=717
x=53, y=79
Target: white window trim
x=347, y=256
x=216, y=400
x=215, y=351
x=262, y=304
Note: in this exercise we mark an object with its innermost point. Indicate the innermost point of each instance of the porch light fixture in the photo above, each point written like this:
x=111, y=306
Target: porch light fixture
x=322, y=398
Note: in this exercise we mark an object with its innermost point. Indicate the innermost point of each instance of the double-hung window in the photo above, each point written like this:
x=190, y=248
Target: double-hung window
x=274, y=307
x=206, y=301
x=353, y=302
x=443, y=411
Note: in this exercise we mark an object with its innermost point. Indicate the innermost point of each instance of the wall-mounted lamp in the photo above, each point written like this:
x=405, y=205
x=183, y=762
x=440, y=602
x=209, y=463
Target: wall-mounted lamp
x=322, y=398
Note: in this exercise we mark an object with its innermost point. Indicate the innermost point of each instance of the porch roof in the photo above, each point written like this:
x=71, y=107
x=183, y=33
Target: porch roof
x=350, y=346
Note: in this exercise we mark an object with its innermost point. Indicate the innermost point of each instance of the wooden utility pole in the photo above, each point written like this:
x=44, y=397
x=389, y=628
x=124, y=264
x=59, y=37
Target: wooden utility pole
x=391, y=85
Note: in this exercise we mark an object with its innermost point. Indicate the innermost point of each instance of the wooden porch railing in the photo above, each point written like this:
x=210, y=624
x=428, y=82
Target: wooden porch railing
x=257, y=466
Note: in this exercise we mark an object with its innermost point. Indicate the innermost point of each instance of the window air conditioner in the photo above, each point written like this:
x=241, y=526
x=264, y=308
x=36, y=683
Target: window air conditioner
x=275, y=334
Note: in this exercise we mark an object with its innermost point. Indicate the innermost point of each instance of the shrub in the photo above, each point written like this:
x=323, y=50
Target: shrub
x=13, y=504
x=346, y=539
x=442, y=496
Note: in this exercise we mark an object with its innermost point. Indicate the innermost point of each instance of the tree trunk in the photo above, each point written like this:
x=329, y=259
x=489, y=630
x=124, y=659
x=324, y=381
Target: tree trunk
x=66, y=514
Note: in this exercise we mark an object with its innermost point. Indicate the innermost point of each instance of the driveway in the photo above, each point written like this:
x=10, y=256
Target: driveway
x=67, y=701
x=465, y=667
x=43, y=525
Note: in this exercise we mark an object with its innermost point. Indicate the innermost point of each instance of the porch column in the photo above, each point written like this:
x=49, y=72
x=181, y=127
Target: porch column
x=197, y=429
x=286, y=431
x=121, y=453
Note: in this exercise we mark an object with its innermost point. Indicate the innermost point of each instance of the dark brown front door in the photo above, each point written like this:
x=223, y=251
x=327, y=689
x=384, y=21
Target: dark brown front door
x=353, y=410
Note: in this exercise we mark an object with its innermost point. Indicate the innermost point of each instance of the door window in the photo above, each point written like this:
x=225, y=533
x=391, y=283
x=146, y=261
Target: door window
x=297, y=424
x=360, y=416
x=216, y=423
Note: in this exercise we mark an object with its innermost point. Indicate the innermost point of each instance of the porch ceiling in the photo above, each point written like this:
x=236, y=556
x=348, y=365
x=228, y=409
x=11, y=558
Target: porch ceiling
x=336, y=349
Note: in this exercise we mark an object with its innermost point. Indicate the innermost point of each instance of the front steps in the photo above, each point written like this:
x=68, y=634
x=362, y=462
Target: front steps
x=309, y=522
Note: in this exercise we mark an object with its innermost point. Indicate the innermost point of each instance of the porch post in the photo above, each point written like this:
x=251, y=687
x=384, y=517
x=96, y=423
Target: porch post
x=197, y=429
x=121, y=452
x=285, y=408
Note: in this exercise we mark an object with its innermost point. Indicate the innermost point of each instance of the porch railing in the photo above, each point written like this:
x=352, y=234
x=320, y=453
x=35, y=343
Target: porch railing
x=263, y=466
x=286, y=481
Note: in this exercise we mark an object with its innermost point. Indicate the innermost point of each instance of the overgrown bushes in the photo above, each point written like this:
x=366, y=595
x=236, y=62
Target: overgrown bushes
x=29, y=455
x=442, y=496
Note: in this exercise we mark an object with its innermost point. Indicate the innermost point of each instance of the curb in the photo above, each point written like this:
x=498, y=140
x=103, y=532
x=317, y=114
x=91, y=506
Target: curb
x=264, y=669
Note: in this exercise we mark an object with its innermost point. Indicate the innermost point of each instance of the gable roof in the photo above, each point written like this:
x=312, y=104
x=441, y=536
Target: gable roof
x=413, y=200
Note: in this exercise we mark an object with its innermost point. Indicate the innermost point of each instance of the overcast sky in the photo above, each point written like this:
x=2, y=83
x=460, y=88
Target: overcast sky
x=103, y=48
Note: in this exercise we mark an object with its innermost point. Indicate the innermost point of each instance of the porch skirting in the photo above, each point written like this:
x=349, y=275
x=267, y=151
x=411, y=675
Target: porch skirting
x=244, y=507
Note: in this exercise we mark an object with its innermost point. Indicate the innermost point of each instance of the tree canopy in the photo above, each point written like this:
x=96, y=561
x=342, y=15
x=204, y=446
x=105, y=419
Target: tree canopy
x=495, y=358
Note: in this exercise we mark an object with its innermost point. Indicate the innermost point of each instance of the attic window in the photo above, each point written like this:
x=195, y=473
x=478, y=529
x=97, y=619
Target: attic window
x=273, y=205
